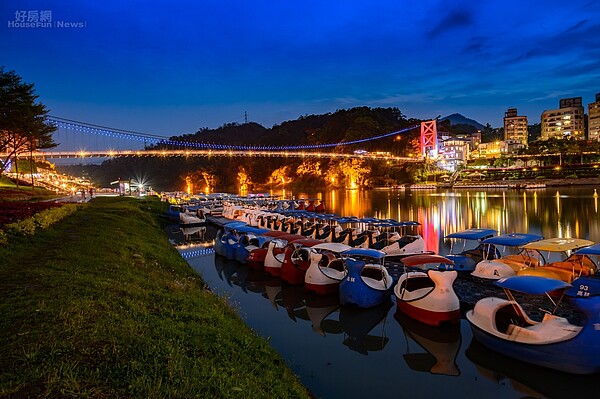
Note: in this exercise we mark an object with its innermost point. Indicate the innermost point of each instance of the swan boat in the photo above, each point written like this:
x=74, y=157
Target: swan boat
x=466, y=259
x=326, y=269
x=367, y=282
x=428, y=296
x=502, y=325
x=510, y=263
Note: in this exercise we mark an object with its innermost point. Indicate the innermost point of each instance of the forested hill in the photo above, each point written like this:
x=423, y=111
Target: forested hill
x=340, y=126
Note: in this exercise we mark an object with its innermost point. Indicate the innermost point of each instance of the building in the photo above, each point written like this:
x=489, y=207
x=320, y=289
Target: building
x=567, y=121
x=594, y=119
x=453, y=153
x=508, y=147
x=515, y=127
x=489, y=150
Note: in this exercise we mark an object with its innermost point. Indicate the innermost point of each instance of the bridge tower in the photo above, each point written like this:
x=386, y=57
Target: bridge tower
x=429, y=141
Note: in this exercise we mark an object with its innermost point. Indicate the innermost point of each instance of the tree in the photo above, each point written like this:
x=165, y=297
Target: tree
x=280, y=176
x=23, y=126
x=243, y=179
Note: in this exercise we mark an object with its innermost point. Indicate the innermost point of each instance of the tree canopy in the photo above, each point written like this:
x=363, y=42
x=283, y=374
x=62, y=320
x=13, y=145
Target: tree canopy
x=23, y=126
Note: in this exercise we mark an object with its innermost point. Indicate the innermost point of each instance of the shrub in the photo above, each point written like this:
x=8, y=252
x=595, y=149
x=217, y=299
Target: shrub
x=43, y=219
x=25, y=227
x=48, y=217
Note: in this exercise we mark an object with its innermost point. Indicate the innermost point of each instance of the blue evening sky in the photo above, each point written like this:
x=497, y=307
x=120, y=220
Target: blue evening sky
x=173, y=67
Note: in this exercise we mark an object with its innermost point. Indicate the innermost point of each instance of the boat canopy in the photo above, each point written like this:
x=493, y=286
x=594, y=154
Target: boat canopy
x=422, y=259
x=234, y=225
x=367, y=252
x=473, y=234
x=591, y=250
x=558, y=244
x=584, y=286
x=512, y=239
x=290, y=237
x=275, y=233
x=249, y=229
x=535, y=285
x=305, y=242
x=333, y=247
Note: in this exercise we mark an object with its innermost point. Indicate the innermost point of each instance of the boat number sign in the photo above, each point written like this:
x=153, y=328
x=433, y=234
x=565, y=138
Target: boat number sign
x=584, y=290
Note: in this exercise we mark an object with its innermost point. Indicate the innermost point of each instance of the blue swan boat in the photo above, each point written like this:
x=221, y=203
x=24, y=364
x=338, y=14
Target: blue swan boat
x=503, y=326
x=367, y=282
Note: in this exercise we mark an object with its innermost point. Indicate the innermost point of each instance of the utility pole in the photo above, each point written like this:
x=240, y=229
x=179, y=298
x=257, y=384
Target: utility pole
x=245, y=117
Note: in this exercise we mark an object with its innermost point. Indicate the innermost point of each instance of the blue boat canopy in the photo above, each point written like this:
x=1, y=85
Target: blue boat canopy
x=513, y=239
x=591, y=250
x=249, y=229
x=584, y=287
x=367, y=252
x=532, y=284
x=473, y=234
x=233, y=225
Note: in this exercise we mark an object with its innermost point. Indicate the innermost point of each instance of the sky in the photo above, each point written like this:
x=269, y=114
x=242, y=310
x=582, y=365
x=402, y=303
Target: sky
x=170, y=68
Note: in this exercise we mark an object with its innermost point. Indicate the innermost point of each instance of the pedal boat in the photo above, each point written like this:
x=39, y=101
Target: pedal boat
x=512, y=260
x=428, y=296
x=367, y=283
x=503, y=326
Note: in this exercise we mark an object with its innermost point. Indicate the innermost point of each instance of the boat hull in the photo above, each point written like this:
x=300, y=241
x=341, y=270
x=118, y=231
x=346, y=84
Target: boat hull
x=572, y=356
x=323, y=289
x=429, y=317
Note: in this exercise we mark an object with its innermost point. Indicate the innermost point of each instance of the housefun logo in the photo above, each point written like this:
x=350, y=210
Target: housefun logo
x=42, y=19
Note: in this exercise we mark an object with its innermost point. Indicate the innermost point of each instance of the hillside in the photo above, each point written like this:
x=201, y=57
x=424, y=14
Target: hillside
x=458, y=119
x=340, y=126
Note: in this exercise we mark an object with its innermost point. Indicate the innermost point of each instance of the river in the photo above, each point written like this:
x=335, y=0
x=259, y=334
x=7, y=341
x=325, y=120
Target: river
x=340, y=352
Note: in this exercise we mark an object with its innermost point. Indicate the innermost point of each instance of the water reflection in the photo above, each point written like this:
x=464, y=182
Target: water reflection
x=441, y=345
x=528, y=379
x=358, y=324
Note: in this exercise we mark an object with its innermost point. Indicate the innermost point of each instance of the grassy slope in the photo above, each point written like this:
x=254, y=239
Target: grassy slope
x=10, y=192
x=101, y=306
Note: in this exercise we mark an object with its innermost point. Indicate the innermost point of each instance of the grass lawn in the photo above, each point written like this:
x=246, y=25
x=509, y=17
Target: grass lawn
x=10, y=192
x=100, y=305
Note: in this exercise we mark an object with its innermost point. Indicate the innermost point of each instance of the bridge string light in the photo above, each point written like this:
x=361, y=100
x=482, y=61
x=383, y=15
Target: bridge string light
x=154, y=139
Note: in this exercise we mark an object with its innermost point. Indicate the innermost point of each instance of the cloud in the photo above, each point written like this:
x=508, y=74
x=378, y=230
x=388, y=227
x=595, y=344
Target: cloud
x=455, y=19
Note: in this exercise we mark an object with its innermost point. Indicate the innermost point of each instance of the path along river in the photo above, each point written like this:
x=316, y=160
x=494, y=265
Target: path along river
x=340, y=352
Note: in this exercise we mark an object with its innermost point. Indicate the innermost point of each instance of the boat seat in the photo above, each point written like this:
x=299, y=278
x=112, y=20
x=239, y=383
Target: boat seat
x=551, y=329
x=520, y=259
x=510, y=314
x=570, y=269
x=336, y=264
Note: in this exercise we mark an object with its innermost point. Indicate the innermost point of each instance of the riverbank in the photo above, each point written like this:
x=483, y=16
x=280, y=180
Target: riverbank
x=512, y=183
x=101, y=305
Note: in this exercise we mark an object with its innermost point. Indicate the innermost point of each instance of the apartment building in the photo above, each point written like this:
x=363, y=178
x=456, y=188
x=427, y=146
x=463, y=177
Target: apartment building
x=594, y=119
x=567, y=121
x=515, y=127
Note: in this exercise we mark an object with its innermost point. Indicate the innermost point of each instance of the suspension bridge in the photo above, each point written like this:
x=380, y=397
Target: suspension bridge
x=84, y=140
